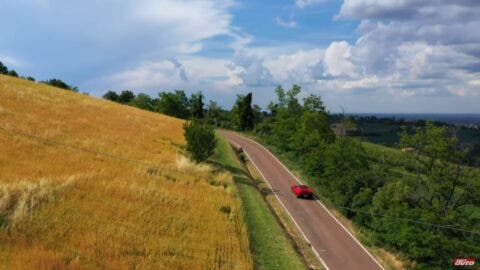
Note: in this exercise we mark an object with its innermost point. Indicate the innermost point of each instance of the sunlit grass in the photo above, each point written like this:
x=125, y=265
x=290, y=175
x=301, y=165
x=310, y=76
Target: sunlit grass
x=69, y=197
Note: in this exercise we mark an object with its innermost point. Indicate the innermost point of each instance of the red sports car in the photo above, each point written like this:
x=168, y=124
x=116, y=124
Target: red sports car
x=302, y=191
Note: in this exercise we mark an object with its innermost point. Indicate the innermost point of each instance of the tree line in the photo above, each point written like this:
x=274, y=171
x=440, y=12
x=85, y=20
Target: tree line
x=199, y=130
x=243, y=116
x=4, y=70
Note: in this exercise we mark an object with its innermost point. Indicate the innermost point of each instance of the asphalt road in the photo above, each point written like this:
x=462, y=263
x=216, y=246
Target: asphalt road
x=330, y=240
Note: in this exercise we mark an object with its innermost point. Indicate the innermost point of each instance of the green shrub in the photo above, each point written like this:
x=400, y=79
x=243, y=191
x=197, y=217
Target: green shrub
x=201, y=140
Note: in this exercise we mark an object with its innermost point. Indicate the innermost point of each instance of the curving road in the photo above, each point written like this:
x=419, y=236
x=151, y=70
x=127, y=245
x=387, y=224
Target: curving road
x=330, y=240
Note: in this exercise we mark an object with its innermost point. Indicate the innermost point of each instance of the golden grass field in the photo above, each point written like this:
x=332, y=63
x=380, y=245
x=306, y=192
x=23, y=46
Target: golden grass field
x=69, y=197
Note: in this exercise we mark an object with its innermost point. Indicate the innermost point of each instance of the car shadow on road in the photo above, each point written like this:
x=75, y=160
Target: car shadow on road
x=307, y=198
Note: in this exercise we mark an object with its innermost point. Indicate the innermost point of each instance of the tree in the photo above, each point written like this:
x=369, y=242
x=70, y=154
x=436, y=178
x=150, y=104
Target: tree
x=473, y=155
x=293, y=105
x=347, y=170
x=314, y=103
x=443, y=183
x=173, y=104
x=142, y=101
x=126, y=96
x=439, y=191
x=244, y=112
x=213, y=115
x=3, y=69
x=201, y=140
x=12, y=73
x=111, y=95
x=281, y=96
x=285, y=118
x=60, y=84
x=196, y=105
x=257, y=114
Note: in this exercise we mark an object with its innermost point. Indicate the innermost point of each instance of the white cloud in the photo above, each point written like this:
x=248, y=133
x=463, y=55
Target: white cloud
x=251, y=70
x=301, y=66
x=305, y=3
x=148, y=75
x=363, y=83
x=285, y=23
x=403, y=50
x=132, y=30
x=337, y=59
x=425, y=49
x=140, y=44
x=190, y=21
x=189, y=73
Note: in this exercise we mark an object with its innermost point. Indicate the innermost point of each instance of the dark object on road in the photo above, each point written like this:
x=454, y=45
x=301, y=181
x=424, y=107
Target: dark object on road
x=302, y=191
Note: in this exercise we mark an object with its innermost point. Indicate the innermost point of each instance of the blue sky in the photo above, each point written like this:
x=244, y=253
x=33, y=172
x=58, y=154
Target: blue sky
x=359, y=55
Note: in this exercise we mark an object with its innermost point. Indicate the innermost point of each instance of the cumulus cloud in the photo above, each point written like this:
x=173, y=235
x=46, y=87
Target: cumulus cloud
x=195, y=72
x=190, y=21
x=149, y=75
x=300, y=66
x=337, y=59
x=251, y=70
x=130, y=31
x=426, y=48
x=402, y=51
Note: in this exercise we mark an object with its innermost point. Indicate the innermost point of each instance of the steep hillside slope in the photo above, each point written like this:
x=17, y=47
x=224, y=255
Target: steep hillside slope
x=86, y=183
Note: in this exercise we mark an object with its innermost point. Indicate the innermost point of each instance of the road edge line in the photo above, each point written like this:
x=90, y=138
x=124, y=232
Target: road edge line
x=328, y=211
x=288, y=212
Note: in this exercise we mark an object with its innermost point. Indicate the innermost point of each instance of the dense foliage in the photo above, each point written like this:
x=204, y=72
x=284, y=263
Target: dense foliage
x=244, y=116
x=201, y=140
x=422, y=204
x=60, y=84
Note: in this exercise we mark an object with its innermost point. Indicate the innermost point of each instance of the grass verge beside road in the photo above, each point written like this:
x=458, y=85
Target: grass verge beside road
x=387, y=259
x=271, y=248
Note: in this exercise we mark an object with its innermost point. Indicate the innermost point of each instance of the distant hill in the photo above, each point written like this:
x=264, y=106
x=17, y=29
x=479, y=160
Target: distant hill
x=384, y=129
x=88, y=183
x=449, y=118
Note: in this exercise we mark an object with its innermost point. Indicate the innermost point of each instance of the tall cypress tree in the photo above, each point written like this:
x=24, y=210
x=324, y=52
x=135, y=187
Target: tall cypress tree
x=244, y=112
x=196, y=105
x=3, y=69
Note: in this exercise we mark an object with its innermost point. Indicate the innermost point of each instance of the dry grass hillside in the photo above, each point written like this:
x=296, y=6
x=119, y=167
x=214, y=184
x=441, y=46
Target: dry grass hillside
x=86, y=183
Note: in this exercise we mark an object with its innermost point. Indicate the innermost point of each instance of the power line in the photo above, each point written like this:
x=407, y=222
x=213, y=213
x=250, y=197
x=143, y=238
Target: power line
x=12, y=132
x=442, y=226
